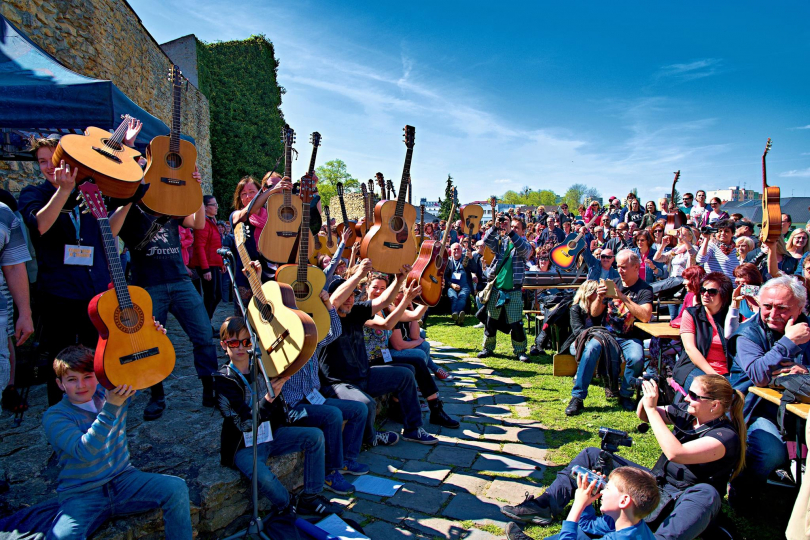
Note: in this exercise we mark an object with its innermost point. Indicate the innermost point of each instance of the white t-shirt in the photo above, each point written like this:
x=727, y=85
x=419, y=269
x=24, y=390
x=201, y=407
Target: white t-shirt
x=697, y=212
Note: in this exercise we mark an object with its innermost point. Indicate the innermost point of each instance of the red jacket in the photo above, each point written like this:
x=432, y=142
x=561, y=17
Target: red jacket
x=206, y=243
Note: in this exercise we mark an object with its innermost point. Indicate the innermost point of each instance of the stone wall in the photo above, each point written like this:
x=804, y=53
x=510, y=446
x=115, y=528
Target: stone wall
x=105, y=39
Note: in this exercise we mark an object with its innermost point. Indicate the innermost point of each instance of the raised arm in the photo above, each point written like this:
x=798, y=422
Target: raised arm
x=390, y=293
x=346, y=289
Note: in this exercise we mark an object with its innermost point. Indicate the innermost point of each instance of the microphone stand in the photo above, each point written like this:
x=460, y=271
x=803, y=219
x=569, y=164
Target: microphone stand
x=255, y=528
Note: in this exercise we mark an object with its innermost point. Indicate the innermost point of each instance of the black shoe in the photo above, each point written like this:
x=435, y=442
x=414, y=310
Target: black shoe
x=154, y=409
x=513, y=532
x=530, y=510
x=485, y=353
x=439, y=417
x=461, y=317
x=627, y=404
x=316, y=505
x=522, y=357
x=575, y=406
x=534, y=351
x=611, y=393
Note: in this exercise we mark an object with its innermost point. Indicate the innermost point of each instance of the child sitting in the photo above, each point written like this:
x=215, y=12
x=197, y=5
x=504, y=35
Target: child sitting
x=97, y=482
x=275, y=436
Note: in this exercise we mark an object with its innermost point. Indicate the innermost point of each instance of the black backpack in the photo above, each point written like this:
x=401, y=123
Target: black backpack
x=793, y=387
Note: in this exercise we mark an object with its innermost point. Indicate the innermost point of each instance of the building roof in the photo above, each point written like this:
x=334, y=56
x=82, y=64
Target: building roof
x=797, y=207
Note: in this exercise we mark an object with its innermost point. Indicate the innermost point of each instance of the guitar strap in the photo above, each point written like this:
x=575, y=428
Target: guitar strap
x=293, y=259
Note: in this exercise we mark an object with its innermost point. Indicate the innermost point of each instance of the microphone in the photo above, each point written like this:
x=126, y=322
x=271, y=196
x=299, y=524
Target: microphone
x=225, y=252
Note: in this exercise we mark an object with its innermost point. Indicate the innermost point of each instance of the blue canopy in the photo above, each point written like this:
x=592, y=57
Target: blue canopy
x=38, y=95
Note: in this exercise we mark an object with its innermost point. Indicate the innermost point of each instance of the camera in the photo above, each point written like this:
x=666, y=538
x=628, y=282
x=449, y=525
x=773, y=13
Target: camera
x=709, y=230
x=749, y=290
x=650, y=375
x=612, y=439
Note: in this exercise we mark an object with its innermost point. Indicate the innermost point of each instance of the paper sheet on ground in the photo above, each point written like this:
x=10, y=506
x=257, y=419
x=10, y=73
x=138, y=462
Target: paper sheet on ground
x=335, y=526
x=374, y=485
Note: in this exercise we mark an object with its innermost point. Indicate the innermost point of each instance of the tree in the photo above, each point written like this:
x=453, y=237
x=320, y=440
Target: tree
x=510, y=197
x=574, y=196
x=546, y=197
x=329, y=174
x=444, y=205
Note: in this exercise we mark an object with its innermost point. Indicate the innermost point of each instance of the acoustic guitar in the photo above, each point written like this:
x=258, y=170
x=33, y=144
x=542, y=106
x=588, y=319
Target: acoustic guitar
x=565, y=254
x=130, y=350
x=771, y=210
x=471, y=215
x=279, y=236
x=347, y=224
x=287, y=336
x=428, y=270
x=381, y=183
x=365, y=222
x=388, y=243
x=103, y=158
x=170, y=163
x=307, y=281
x=324, y=245
x=489, y=255
x=674, y=217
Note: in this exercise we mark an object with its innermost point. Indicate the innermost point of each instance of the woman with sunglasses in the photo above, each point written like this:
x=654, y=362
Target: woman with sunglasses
x=703, y=332
x=649, y=270
x=717, y=213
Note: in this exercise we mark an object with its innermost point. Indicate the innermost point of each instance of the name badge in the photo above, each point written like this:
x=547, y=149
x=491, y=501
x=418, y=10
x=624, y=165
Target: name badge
x=315, y=398
x=265, y=434
x=79, y=255
x=456, y=276
x=387, y=356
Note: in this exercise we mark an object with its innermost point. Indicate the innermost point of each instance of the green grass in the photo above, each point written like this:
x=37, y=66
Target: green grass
x=547, y=397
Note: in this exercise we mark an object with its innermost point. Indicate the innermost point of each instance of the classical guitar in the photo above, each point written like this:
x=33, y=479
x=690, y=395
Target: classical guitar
x=347, y=224
x=324, y=245
x=489, y=255
x=674, y=217
x=771, y=211
x=388, y=243
x=307, y=281
x=287, y=336
x=279, y=236
x=104, y=158
x=170, y=162
x=130, y=350
x=428, y=270
x=565, y=254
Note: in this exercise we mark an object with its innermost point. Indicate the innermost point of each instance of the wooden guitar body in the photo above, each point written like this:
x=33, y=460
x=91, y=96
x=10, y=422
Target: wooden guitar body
x=281, y=231
x=428, y=271
x=771, y=213
x=306, y=294
x=320, y=246
x=471, y=215
x=388, y=242
x=172, y=189
x=130, y=349
x=115, y=170
x=565, y=255
x=674, y=218
x=287, y=337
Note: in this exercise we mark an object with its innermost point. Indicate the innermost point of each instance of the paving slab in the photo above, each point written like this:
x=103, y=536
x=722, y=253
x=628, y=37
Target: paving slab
x=423, y=499
x=403, y=450
x=381, y=464
x=493, y=410
x=382, y=529
x=482, y=419
x=423, y=472
x=522, y=411
x=509, y=399
x=458, y=408
x=525, y=450
x=476, y=509
x=386, y=512
x=465, y=430
x=505, y=464
x=486, y=400
x=507, y=389
x=458, y=397
x=511, y=491
x=466, y=364
x=479, y=446
x=514, y=434
x=453, y=456
x=504, y=380
x=436, y=527
x=478, y=534
x=466, y=483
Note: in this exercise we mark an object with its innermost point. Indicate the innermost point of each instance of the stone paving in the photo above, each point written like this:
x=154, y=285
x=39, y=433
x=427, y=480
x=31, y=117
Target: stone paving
x=456, y=488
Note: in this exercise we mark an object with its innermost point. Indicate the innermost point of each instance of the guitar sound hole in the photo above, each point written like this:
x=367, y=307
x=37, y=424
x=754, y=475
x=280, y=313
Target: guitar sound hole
x=129, y=320
x=287, y=213
x=396, y=223
x=112, y=144
x=439, y=261
x=572, y=245
x=173, y=160
x=302, y=290
x=265, y=310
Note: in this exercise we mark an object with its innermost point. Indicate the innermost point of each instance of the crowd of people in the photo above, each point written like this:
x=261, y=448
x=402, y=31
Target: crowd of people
x=732, y=337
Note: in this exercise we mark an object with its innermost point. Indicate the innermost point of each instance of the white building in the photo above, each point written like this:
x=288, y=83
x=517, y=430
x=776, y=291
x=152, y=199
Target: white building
x=733, y=194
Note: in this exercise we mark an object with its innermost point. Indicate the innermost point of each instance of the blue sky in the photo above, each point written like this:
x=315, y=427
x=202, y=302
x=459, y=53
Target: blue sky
x=503, y=95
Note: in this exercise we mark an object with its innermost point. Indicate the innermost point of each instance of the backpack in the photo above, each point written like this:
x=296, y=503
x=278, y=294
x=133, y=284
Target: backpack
x=795, y=389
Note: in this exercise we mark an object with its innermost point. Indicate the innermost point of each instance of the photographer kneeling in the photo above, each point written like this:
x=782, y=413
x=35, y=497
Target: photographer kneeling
x=705, y=450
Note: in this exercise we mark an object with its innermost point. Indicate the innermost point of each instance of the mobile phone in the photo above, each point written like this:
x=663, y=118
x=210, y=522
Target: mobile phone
x=611, y=287
x=672, y=232
x=600, y=482
x=749, y=290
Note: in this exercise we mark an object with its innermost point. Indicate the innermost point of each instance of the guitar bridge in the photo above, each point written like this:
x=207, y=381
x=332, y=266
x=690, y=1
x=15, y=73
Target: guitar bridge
x=279, y=340
x=173, y=181
x=107, y=154
x=287, y=234
x=154, y=351
x=434, y=280
x=392, y=245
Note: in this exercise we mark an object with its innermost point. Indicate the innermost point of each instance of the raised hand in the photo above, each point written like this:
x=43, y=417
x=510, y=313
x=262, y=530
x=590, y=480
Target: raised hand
x=797, y=333
x=118, y=395
x=64, y=177
x=133, y=128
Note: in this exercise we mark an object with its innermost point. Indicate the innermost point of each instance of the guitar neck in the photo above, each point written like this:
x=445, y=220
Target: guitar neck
x=343, y=211
x=254, y=280
x=288, y=173
x=403, y=184
x=174, y=138
x=303, y=250
x=114, y=264
x=328, y=227
x=311, y=169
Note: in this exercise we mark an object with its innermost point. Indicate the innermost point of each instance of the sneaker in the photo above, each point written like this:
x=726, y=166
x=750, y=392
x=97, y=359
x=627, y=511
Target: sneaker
x=420, y=436
x=154, y=409
x=423, y=406
x=443, y=375
x=461, y=317
x=627, y=404
x=439, y=417
x=454, y=318
x=522, y=357
x=385, y=438
x=575, y=406
x=531, y=510
x=479, y=325
x=316, y=505
x=335, y=483
x=611, y=393
x=354, y=468
x=513, y=532
x=485, y=353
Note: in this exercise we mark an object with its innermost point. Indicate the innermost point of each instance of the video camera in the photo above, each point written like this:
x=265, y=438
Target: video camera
x=650, y=375
x=709, y=230
x=612, y=439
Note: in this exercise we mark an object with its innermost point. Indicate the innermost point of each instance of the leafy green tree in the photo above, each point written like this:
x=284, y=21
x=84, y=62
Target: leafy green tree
x=546, y=197
x=444, y=208
x=510, y=197
x=574, y=196
x=329, y=174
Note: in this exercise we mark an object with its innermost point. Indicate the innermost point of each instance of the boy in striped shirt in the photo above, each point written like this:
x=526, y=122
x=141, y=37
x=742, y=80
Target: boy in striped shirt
x=97, y=482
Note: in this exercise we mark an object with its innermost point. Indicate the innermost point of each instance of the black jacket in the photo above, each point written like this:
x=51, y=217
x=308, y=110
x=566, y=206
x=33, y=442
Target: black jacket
x=468, y=270
x=703, y=340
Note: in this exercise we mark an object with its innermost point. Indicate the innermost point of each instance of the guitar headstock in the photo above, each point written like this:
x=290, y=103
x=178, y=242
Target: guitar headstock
x=239, y=234
x=677, y=175
x=365, y=191
x=315, y=139
x=175, y=76
x=90, y=199
x=339, y=187
x=410, y=135
x=307, y=187
x=767, y=147
x=288, y=135
x=390, y=184
x=493, y=202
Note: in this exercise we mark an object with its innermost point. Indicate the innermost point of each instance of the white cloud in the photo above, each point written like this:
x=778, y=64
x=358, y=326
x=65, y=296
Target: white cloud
x=503, y=181
x=691, y=70
x=796, y=173
x=803, y=127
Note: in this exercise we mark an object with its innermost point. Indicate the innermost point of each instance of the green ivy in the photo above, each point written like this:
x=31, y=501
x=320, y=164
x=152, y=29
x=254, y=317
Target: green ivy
x=239, y=80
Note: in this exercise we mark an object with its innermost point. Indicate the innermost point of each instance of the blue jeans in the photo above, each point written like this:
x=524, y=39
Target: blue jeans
x=131, y=492
x=286, y=440
x=182, y=300
x=421, y=351
x=329, y=418
x=634, y=366
x=766, y=452
x=458, y=299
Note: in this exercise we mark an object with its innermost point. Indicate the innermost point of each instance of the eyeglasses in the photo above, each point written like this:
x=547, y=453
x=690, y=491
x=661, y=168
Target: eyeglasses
x=710, y=292
x=234, y=343
x=658, y=231
x=543, y=259
x=694, y=397
x=357, y=292
x=687, y=198
x=715, y=204
x=212, y=204
x=603, y=257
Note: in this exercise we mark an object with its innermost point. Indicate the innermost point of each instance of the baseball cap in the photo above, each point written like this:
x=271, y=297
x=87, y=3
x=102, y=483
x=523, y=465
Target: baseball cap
x=337, y=282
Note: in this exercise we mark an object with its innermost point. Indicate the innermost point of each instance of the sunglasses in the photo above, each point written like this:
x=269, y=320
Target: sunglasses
x=603, y=257
x=694, y=397
x=543, y=259
x=234, y=343
x=687, y=198
x=710, y=292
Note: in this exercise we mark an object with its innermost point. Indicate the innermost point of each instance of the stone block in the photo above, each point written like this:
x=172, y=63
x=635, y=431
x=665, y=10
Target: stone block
x=502, y=464
x=528, y=435
x=466, y=483
x=403, y=450
x=456, y=409
x=463, y=431
x=392, y=514
x=509, y=399
x=380, y=464
x=527, y=451
x=465, y=507
x=511, y=491
x=486, y=400
x=452, y=455
x=493, y=410
x=423, y=499
x=435, y=527
x=423, y=472
x=382, y=529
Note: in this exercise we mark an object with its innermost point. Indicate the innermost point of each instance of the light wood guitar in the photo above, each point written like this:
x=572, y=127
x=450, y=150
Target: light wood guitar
x=347, y=224
x=170, y=162
x=279, y=236
x=368, y=212
x=130, y=350
x=428, y=270
x=287, y=336
x=307, y=281
x=489, y=255
x=771, y=209
x=388, y=244
x=381, y=183
x=103, y=158
x=324, y=245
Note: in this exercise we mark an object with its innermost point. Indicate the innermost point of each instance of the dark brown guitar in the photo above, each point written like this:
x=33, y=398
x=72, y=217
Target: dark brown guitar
x=347, y=224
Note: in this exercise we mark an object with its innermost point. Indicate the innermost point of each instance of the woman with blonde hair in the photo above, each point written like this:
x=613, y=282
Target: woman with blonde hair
x=582, y=313
x=797, y=244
